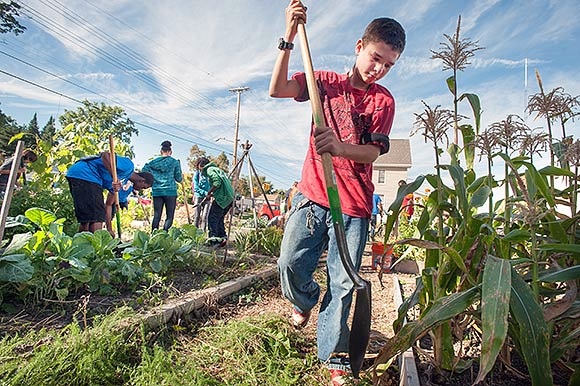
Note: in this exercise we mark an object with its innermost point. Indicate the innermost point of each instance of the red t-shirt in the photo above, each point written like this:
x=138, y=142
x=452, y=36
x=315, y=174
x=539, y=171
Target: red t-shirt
x=350, y=113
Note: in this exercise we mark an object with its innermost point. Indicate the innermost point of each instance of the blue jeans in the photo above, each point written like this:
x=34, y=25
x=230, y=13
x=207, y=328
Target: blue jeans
x=307, y=233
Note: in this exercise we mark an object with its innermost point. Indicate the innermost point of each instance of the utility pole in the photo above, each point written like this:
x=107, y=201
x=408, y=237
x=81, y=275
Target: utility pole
x=238, y=90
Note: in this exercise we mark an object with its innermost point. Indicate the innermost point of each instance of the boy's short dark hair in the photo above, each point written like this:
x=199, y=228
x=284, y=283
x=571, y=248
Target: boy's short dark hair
x=387, y=30
x=148, y=177
x=202, y=162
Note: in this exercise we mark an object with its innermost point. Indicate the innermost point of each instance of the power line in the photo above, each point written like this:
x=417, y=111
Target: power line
x=103, y=96
x=39, y=86
x=122, y=50
x=114, y=60
x=81, y=102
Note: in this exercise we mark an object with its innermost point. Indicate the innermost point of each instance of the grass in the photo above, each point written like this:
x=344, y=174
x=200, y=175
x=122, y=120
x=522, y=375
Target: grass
x=252, y=351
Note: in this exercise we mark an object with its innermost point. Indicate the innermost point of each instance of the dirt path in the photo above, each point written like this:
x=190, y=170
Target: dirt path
x=383, y=308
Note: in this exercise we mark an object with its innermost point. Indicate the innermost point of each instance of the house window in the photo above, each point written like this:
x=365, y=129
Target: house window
x=381, y=177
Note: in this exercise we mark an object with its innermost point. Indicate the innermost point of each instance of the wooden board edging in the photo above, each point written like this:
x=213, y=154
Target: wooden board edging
x=188, y=303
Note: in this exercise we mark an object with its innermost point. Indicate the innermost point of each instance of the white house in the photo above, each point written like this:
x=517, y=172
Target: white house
x=390, y=168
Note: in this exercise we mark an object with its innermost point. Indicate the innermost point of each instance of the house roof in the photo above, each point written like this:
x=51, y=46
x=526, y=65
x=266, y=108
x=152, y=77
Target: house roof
x=399, y=154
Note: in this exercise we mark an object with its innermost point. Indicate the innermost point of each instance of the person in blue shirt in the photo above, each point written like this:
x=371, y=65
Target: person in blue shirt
x=377, y=210
x=201, y=187
x=167, y=173
x=89, y=176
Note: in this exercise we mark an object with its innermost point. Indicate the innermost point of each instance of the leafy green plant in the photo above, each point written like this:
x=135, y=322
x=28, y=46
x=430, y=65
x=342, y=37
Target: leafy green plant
x=159, y=250
x=46, y=263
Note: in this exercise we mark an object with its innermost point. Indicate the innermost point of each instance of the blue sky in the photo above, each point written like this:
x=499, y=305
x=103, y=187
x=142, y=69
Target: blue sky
x=171, y=65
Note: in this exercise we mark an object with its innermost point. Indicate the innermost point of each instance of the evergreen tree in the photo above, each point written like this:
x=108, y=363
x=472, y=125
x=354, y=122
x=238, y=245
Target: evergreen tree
x=33, y=132
x=49, y=131
x=8, y=128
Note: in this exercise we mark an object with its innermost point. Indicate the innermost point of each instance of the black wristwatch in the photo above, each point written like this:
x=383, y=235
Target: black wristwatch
x=284, y=45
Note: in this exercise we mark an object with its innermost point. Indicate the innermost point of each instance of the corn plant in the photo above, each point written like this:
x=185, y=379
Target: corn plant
x=513, y=276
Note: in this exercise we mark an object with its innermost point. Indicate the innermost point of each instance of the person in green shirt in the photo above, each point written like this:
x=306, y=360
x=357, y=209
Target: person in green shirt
x=167, y=173
x=223, y=194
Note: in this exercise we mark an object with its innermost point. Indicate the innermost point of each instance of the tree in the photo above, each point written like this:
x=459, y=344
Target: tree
x=33, y=126
x=243, y=186
x=48, y=132
x=87, y=129
x=33, y=132
x=194, y=153
x=8, y=128
x=8, y=22
x=222, y=161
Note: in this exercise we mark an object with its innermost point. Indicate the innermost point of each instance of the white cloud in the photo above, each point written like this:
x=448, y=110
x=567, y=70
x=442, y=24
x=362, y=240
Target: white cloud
x=174, y=63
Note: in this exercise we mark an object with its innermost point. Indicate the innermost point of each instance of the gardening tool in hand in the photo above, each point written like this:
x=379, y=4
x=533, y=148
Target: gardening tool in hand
x=115, y=179
x=205, y=199
x=361, y=323
x=185, y=201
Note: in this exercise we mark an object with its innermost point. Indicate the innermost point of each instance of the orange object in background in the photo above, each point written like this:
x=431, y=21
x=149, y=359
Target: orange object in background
x=378, y=250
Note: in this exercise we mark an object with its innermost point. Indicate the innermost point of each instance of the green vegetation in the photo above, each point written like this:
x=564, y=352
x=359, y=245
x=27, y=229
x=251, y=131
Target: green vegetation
x=251, y=351
x=512, y=271
x=265, y=241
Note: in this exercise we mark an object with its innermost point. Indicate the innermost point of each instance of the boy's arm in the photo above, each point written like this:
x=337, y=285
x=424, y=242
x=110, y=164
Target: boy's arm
x=326, y=141
x=280, y=85
x=106, y=158
x=109, y=212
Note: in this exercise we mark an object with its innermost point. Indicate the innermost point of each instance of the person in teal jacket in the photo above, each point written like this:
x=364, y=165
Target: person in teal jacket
x=167, y=173
x=223, y=194
x=200, y=186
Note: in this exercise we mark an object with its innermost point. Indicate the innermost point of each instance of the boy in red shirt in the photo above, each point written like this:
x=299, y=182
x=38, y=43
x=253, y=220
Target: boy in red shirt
x=359, y=114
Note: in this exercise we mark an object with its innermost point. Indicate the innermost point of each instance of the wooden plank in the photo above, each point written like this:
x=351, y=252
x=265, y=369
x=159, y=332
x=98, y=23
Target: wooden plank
x=195, y=300
x=409, y=375
x=7, y=199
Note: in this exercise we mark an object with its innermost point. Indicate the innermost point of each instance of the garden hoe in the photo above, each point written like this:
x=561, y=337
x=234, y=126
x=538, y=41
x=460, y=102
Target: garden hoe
x=114, y=174
x=361, y=323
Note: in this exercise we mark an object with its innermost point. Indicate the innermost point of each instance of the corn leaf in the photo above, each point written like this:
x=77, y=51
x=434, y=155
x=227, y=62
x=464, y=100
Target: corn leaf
x=571, y=248
x=566, y=274
x=451, y=84
x=469, y=148
x=476, y=107
x=395, y=207
x=442, y=309
x=495, y=299
x=432, y=245
x=479, y=198
x=556, y=171
x=457, y=175
x=533, y=333
x=539, y=182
